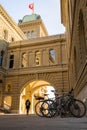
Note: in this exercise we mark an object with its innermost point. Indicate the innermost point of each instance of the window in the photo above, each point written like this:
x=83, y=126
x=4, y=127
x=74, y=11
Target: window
x=1, y=57
x=37, y=61
x=25, y=34
x=7, y=102
x=12, y=39
x=28, y=35
x=5, y=34
x=37, y=58
x=11, y=62
x=8, y=87
x=24, y=60
x=51, y=56
x=32, y=34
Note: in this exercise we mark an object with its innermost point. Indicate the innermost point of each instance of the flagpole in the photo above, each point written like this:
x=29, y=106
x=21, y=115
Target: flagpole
x=33, y=8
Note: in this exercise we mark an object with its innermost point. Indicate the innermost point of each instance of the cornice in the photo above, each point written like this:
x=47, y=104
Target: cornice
x=38, y=41
x=30, y=23
x=11, y=22
x=38, y=70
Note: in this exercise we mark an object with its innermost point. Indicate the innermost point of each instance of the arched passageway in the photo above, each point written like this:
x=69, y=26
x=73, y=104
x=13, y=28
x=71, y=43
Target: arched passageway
x=7, y=102
x=30, y=90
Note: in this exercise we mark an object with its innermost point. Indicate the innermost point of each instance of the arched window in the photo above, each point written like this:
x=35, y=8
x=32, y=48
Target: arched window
x=37, y=58
x=7, y=102
x=1, y=57
x=25, y=34
x=11, y=61
x=24, y=60
x=9, y=87
x=51, y=56
x=5, y=34
x=12, y=39
x=32, y=34
x=28, y=35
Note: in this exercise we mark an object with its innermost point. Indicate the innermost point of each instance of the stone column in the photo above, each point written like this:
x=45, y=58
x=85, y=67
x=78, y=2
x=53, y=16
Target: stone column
x=45, y=57
x=31, y=59
x=27, y=58
x=8, y=56
x=41, y=57
x=16, y=59
x=56, y=54
x=32, y=104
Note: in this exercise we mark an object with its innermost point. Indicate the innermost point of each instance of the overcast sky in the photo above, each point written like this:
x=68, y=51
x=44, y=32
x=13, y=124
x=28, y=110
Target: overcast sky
x=49, y=10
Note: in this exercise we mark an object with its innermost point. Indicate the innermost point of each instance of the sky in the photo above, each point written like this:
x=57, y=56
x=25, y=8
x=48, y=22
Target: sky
x=49, y=10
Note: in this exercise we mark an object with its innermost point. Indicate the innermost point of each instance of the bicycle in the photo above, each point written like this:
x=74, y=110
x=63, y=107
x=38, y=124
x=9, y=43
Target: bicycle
x=65, y=104
x=41, y=107
x=38, y=105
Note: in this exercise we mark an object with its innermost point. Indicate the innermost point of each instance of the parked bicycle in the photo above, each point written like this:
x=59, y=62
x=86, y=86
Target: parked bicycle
x=42, y=105
x=65, y=104
x=38, y=105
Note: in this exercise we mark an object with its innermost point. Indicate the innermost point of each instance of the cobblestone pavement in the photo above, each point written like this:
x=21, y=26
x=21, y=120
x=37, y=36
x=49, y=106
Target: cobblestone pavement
x=32, y=122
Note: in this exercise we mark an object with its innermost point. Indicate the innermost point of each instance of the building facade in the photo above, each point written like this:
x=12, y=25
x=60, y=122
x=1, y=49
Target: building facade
x=30, y=60
x=74, y=18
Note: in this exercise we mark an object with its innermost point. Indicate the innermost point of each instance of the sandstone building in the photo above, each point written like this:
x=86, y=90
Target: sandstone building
x=74, y=18
x=30, y=60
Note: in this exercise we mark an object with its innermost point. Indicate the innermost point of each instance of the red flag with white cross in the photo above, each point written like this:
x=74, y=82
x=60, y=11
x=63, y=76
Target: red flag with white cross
x=31, y=6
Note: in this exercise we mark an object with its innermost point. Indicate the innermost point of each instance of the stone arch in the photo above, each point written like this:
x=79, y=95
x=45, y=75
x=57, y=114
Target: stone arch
x=34, y=80
x=7, y=102
x=54, y=78
x=48, y=77
x=36, y=87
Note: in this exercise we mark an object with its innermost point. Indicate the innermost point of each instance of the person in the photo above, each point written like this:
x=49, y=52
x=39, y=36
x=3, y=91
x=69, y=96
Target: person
x=27, y=103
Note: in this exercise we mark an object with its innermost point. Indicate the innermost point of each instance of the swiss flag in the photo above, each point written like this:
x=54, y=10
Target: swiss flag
x=31, y=6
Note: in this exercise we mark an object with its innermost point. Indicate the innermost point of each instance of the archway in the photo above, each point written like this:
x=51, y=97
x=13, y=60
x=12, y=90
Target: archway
x=7, y=102
x=29, y=91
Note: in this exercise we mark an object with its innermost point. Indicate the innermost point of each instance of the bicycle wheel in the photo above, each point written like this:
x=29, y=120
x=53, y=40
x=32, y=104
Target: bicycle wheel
x=77, y=108
x=38, y=108
x=48, y=108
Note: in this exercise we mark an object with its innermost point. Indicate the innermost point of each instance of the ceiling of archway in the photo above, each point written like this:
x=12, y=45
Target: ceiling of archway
x=38, y=83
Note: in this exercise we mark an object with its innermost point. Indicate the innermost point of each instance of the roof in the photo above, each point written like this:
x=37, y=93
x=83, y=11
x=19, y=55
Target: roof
x=28, y=18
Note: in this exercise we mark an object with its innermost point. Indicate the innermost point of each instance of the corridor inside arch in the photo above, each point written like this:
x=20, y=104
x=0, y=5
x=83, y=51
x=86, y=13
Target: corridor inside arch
x=32, y=89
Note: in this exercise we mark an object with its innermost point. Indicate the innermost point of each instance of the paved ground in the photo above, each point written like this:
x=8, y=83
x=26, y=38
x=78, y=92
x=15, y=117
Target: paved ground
x=32, y=122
